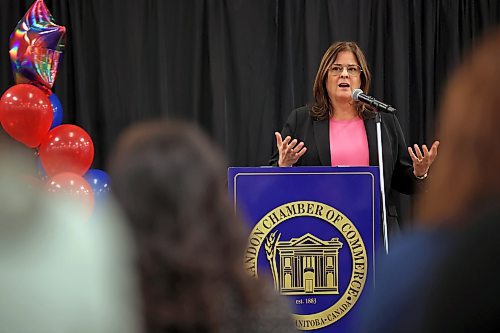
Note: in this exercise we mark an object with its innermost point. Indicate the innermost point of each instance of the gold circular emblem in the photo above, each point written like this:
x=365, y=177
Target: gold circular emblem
x=261, y=235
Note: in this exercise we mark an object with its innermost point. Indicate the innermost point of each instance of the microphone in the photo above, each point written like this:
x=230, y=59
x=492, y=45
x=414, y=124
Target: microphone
x=358, y=95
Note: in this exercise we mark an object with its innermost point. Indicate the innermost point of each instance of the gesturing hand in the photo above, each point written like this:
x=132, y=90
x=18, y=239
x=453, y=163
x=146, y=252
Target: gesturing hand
x=289, y=150
x=422, y=162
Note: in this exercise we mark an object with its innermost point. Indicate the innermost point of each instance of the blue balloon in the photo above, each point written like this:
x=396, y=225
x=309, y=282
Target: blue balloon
x=100, y=183
x=58, y=110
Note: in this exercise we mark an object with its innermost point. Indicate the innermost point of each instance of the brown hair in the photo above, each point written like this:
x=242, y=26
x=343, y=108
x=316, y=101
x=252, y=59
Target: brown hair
x=170, y=181
x=322, y=108
x=467, y=170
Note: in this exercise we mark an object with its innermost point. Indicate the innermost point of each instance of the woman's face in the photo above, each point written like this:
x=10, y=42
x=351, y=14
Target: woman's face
x=343, y=77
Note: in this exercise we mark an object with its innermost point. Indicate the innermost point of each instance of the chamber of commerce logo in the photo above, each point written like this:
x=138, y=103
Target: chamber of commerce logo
x=307, y=268
x=307, y=265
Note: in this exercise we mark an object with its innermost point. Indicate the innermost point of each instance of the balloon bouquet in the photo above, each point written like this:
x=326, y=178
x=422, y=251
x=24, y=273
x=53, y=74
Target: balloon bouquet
x=32, y=114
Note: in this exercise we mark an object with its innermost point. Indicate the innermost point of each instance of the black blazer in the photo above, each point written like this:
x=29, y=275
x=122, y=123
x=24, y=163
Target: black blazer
x=398, y=166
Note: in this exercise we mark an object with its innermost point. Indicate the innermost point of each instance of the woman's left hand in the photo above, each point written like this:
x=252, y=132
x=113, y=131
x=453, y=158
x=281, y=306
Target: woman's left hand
x=422, y=162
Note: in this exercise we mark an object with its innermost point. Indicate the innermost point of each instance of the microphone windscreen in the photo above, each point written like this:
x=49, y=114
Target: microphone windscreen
x=356, y=93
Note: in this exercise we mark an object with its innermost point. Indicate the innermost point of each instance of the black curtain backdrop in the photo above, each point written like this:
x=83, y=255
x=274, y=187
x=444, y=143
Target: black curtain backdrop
x=238, y=67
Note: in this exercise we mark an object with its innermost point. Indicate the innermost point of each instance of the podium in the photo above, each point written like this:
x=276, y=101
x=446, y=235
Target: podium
x=315, y=231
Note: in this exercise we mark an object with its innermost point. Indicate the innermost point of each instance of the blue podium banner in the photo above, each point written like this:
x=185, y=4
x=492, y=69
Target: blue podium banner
x=315, y=230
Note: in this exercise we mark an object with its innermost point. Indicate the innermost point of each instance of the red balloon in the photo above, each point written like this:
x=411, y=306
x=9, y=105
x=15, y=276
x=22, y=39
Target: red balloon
x=26, y=114
x=74, y=187
x=67, y=148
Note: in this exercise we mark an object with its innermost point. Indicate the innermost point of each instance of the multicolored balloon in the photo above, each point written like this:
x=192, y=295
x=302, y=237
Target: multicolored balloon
x=36, y=47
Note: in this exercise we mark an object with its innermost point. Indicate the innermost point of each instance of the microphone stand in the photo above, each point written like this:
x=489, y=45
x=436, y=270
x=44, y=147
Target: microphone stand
x=378, y=121
x=358, y=95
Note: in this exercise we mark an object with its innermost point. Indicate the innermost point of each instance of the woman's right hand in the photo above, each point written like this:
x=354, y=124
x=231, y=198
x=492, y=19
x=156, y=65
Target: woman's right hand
x=289, y=150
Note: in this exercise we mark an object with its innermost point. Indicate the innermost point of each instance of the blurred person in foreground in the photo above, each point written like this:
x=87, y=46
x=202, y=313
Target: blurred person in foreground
x=59, y=273
x=171, y=182
x=445, y=277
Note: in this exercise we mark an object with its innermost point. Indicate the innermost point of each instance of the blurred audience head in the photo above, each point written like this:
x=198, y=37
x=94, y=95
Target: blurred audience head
x=59, y=273
x=466, y=174
x=170, y=180
x=464, y=295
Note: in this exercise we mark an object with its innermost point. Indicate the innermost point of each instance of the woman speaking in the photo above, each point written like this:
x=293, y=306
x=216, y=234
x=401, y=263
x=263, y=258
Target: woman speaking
x=337, y=131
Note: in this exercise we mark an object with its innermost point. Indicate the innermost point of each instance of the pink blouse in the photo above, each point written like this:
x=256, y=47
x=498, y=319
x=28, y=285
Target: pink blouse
x=348, y=143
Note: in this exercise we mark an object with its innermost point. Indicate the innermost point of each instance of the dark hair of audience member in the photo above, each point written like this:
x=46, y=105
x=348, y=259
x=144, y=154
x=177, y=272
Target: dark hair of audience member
x=466, y=174
x=170, y=181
